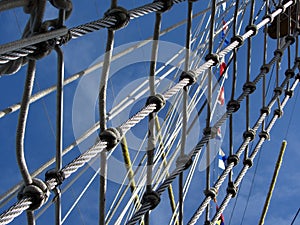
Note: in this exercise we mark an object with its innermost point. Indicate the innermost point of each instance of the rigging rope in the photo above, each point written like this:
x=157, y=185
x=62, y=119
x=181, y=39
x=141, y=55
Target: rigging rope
x=26, y=202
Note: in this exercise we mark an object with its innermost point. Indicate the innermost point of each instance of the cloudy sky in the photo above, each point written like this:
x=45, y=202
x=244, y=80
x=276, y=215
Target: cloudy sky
x=127, y=73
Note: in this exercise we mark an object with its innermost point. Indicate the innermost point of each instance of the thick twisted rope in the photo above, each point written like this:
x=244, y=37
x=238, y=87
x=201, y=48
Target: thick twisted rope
x=253, y=154
x=146, y=207
x=97, y=148
x=245, y=143
x=21, y=48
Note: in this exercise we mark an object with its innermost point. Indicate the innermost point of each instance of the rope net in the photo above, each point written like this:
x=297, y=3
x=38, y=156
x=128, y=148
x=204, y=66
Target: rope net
x=150, y=114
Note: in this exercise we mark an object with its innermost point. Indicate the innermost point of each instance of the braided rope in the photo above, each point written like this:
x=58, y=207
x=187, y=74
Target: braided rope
x=92, y=152
x=245, y=143
x=252, y=156
x=22, y=48
x=14, y=211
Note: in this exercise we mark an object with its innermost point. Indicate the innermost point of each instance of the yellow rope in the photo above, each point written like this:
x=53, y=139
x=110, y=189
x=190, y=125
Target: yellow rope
x=170, y=189
x=272, y=185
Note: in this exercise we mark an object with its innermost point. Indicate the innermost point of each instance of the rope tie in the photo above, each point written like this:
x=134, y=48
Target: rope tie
x=152, y=198
x=121, y=15
x=233, y=105
x=42, y=50
x=158, y=100
x=112, y=136
x=184, y=161
x=167, y=5
x=58, y=176
x=232, y=189
x=191, y=75
x=214, y=57
x=239, y=39
x=212, y=193
x=28, y=9
x=250, y=133
x=37, y=192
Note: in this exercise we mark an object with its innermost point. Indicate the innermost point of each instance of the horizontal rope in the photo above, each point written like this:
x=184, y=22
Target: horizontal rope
x=92, y=152
x=23, y=47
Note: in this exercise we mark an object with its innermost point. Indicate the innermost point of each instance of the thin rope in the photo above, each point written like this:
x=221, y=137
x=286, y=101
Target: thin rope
x=273, y=182
x=70, y=168
x=59, y=127
x=22, y=123
x=102, y=118
x=252, y=156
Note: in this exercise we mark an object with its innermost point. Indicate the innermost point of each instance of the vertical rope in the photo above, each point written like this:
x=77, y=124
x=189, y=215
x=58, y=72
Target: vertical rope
x=59, y=117
x=264, y=62
x=59, y=126
x=249, y=50
x=185, y=108
x=233, y=86
x=102, y=118
x=151, y=124
x=209, y=98
x=21, y=130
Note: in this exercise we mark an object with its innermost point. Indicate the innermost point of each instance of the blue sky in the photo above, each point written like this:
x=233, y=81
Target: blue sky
x=81, y=53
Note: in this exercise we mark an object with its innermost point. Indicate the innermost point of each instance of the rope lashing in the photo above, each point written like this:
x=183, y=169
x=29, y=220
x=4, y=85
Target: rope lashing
x=233, y=159
x=230, y=164
x=191, y=75
x=233, y=105
x=158, y=100
x=37, y=192
x=58, y=176
x=184, y=161
x=121, y=15
x=167, y=5
x=152, y=198
x=212, y=193
x=65, y=5
x=250, y=133
x=112, y=136
x=232, y=189
x=240, y=38
x=214, y=57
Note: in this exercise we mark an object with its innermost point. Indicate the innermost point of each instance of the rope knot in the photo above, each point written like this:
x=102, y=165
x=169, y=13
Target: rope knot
x=264, y=134
x=28, y=9
x=112, y=136
x=184, y=160
x=151, y=197
x=42, y=49
x=265, y=110
x=231, y=189
x=248, y=162
x=251, y=86
x=208, y=132
x=191, y=75
x=233, y=159
x=234, y=105
x=239, y=39
x=62, y=4
x=121, y=15
x=289, y=73
x=167, y=5
x=212, y=192
x=158, y=100
x=250, y=133
x=58, y=176
x=278, y=112
x=214, y=57
x=253, y=28
x=38, y=193
x=265, y=68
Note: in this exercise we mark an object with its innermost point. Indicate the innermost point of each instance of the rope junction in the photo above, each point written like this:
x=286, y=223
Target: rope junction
x=41, y=37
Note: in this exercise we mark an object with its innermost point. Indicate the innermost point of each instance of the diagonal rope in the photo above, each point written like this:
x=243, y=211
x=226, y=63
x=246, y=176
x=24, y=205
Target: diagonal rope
x=98, y=147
